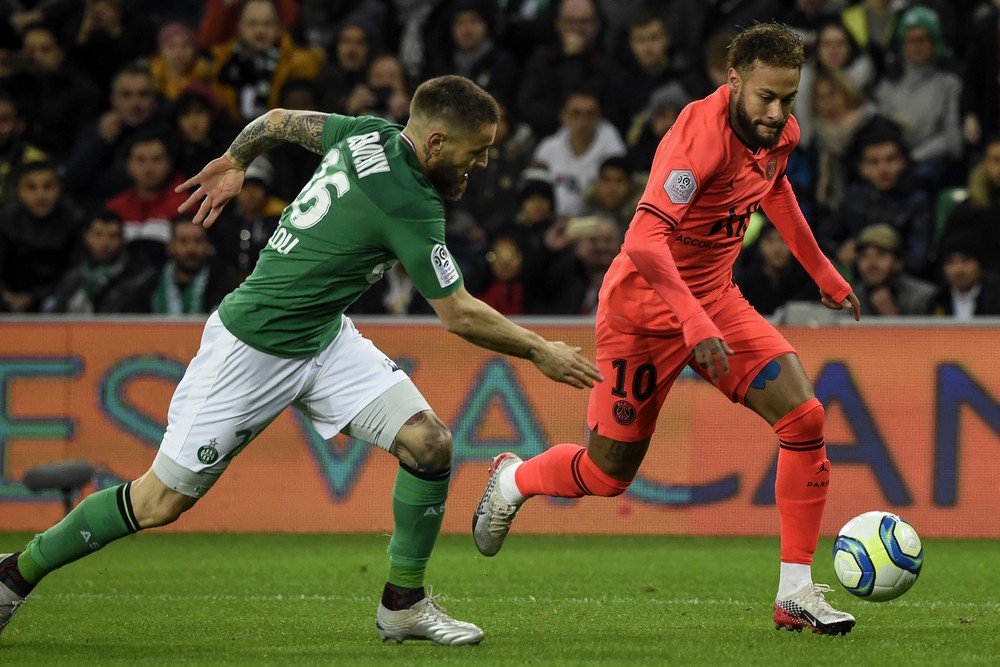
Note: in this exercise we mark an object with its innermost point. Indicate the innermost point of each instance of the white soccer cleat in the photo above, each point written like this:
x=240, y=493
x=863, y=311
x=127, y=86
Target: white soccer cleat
x=10, y=601
x=807, y=608
x=491, y=522
x=425, y=620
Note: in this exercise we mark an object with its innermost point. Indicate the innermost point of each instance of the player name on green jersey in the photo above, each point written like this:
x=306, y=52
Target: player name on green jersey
x=369, y=158
x=367, y=206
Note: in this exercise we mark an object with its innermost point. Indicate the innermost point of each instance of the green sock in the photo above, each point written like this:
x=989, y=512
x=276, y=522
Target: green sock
x=418, y=510
x=99, y=519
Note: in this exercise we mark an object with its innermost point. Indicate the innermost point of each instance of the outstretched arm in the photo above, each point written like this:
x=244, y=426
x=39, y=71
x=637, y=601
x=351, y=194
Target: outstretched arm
x=222, y=178
x=478, y=323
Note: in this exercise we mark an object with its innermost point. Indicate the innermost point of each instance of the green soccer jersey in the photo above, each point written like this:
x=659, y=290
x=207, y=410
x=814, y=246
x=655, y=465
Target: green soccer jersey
x=367, y=206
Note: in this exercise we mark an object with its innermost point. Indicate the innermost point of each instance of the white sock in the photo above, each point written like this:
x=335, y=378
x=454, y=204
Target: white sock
x=794, y=576
x=508, y=487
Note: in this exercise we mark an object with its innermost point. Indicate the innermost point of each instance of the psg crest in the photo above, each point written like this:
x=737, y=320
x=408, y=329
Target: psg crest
x=772, y=166
x=624, y=412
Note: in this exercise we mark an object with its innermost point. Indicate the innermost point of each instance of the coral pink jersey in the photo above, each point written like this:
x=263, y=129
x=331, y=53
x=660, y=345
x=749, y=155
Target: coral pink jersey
x=704, y=185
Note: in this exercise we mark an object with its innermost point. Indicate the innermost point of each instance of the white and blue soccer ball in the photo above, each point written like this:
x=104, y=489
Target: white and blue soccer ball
x=877, y=556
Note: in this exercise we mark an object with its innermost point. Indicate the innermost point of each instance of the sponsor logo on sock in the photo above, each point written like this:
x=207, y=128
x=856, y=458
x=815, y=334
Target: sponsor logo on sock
x=822, y=468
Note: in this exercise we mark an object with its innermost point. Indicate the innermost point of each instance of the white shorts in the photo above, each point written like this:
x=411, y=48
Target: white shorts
x=230, y=392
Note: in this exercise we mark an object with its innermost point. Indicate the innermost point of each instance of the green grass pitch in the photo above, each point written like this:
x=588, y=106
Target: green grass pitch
x=200, y=599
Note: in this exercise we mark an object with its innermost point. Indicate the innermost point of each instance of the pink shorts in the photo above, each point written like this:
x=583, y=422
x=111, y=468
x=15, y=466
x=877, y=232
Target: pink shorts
x=639, y=369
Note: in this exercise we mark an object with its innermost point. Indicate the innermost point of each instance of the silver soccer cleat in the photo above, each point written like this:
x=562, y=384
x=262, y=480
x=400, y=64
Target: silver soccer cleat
x=807, y=608
x=425, y=620
x=491, y=522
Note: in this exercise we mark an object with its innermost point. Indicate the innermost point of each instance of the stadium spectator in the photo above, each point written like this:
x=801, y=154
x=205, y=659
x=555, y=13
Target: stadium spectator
x=110, y=34
x=320, y=22
x=48, y=86
x=840, y=113
x=177, y=62
x=569, y=280
x=385, y=93
x=669, y=296
x=474, y=54
x=664, y=106
x=95, y=170
x=250, y=69
x=198, y=128
x=646, y=68
x=221, y=18
x=737, y=14
x=981, y=89
x=245, y=226
x=39, y=233
x=614, y=194
x=872, y=23
x=492, y=199
x=771, y=277
x=554, y=71
x=17, y=17
x=419, y=27
x=293, y=164
x=107, y=277
x=836, y=52
x=149, y=204
x=979, y=213
x=15, y=150
x=191, y=282
x=968, y=290
x=712, y=71
x=575, y=152
x=356, y=42
x=807, y=17
x=504, y=290
x=882, y=286
x=884, y=194
x=924, y=100
x=531, y=229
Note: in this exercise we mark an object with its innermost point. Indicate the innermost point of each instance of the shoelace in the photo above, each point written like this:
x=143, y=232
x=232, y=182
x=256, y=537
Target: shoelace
x=433, y=605
x=501, y=514
x=815, y=594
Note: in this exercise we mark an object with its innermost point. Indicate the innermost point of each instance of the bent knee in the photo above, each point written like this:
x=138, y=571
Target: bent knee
x=434, y=451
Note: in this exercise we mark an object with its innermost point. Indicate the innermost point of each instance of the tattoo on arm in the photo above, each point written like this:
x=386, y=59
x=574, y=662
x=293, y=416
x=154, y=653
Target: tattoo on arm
x=304, y=128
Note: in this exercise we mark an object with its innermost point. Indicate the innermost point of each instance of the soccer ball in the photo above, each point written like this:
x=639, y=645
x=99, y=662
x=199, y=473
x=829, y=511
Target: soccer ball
x=877, y=556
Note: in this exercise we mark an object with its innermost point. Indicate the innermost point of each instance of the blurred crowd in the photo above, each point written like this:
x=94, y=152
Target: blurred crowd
x=107, y=105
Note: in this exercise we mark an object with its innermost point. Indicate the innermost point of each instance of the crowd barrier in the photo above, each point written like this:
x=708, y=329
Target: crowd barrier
x=913, y=426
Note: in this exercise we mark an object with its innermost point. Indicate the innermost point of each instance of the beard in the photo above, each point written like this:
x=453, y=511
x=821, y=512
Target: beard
x=748, y=128
x=448, y=179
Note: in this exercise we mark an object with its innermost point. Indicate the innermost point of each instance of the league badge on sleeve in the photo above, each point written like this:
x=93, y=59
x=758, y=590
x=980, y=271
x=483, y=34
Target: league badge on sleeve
x=680, y=186
x=444, y=265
